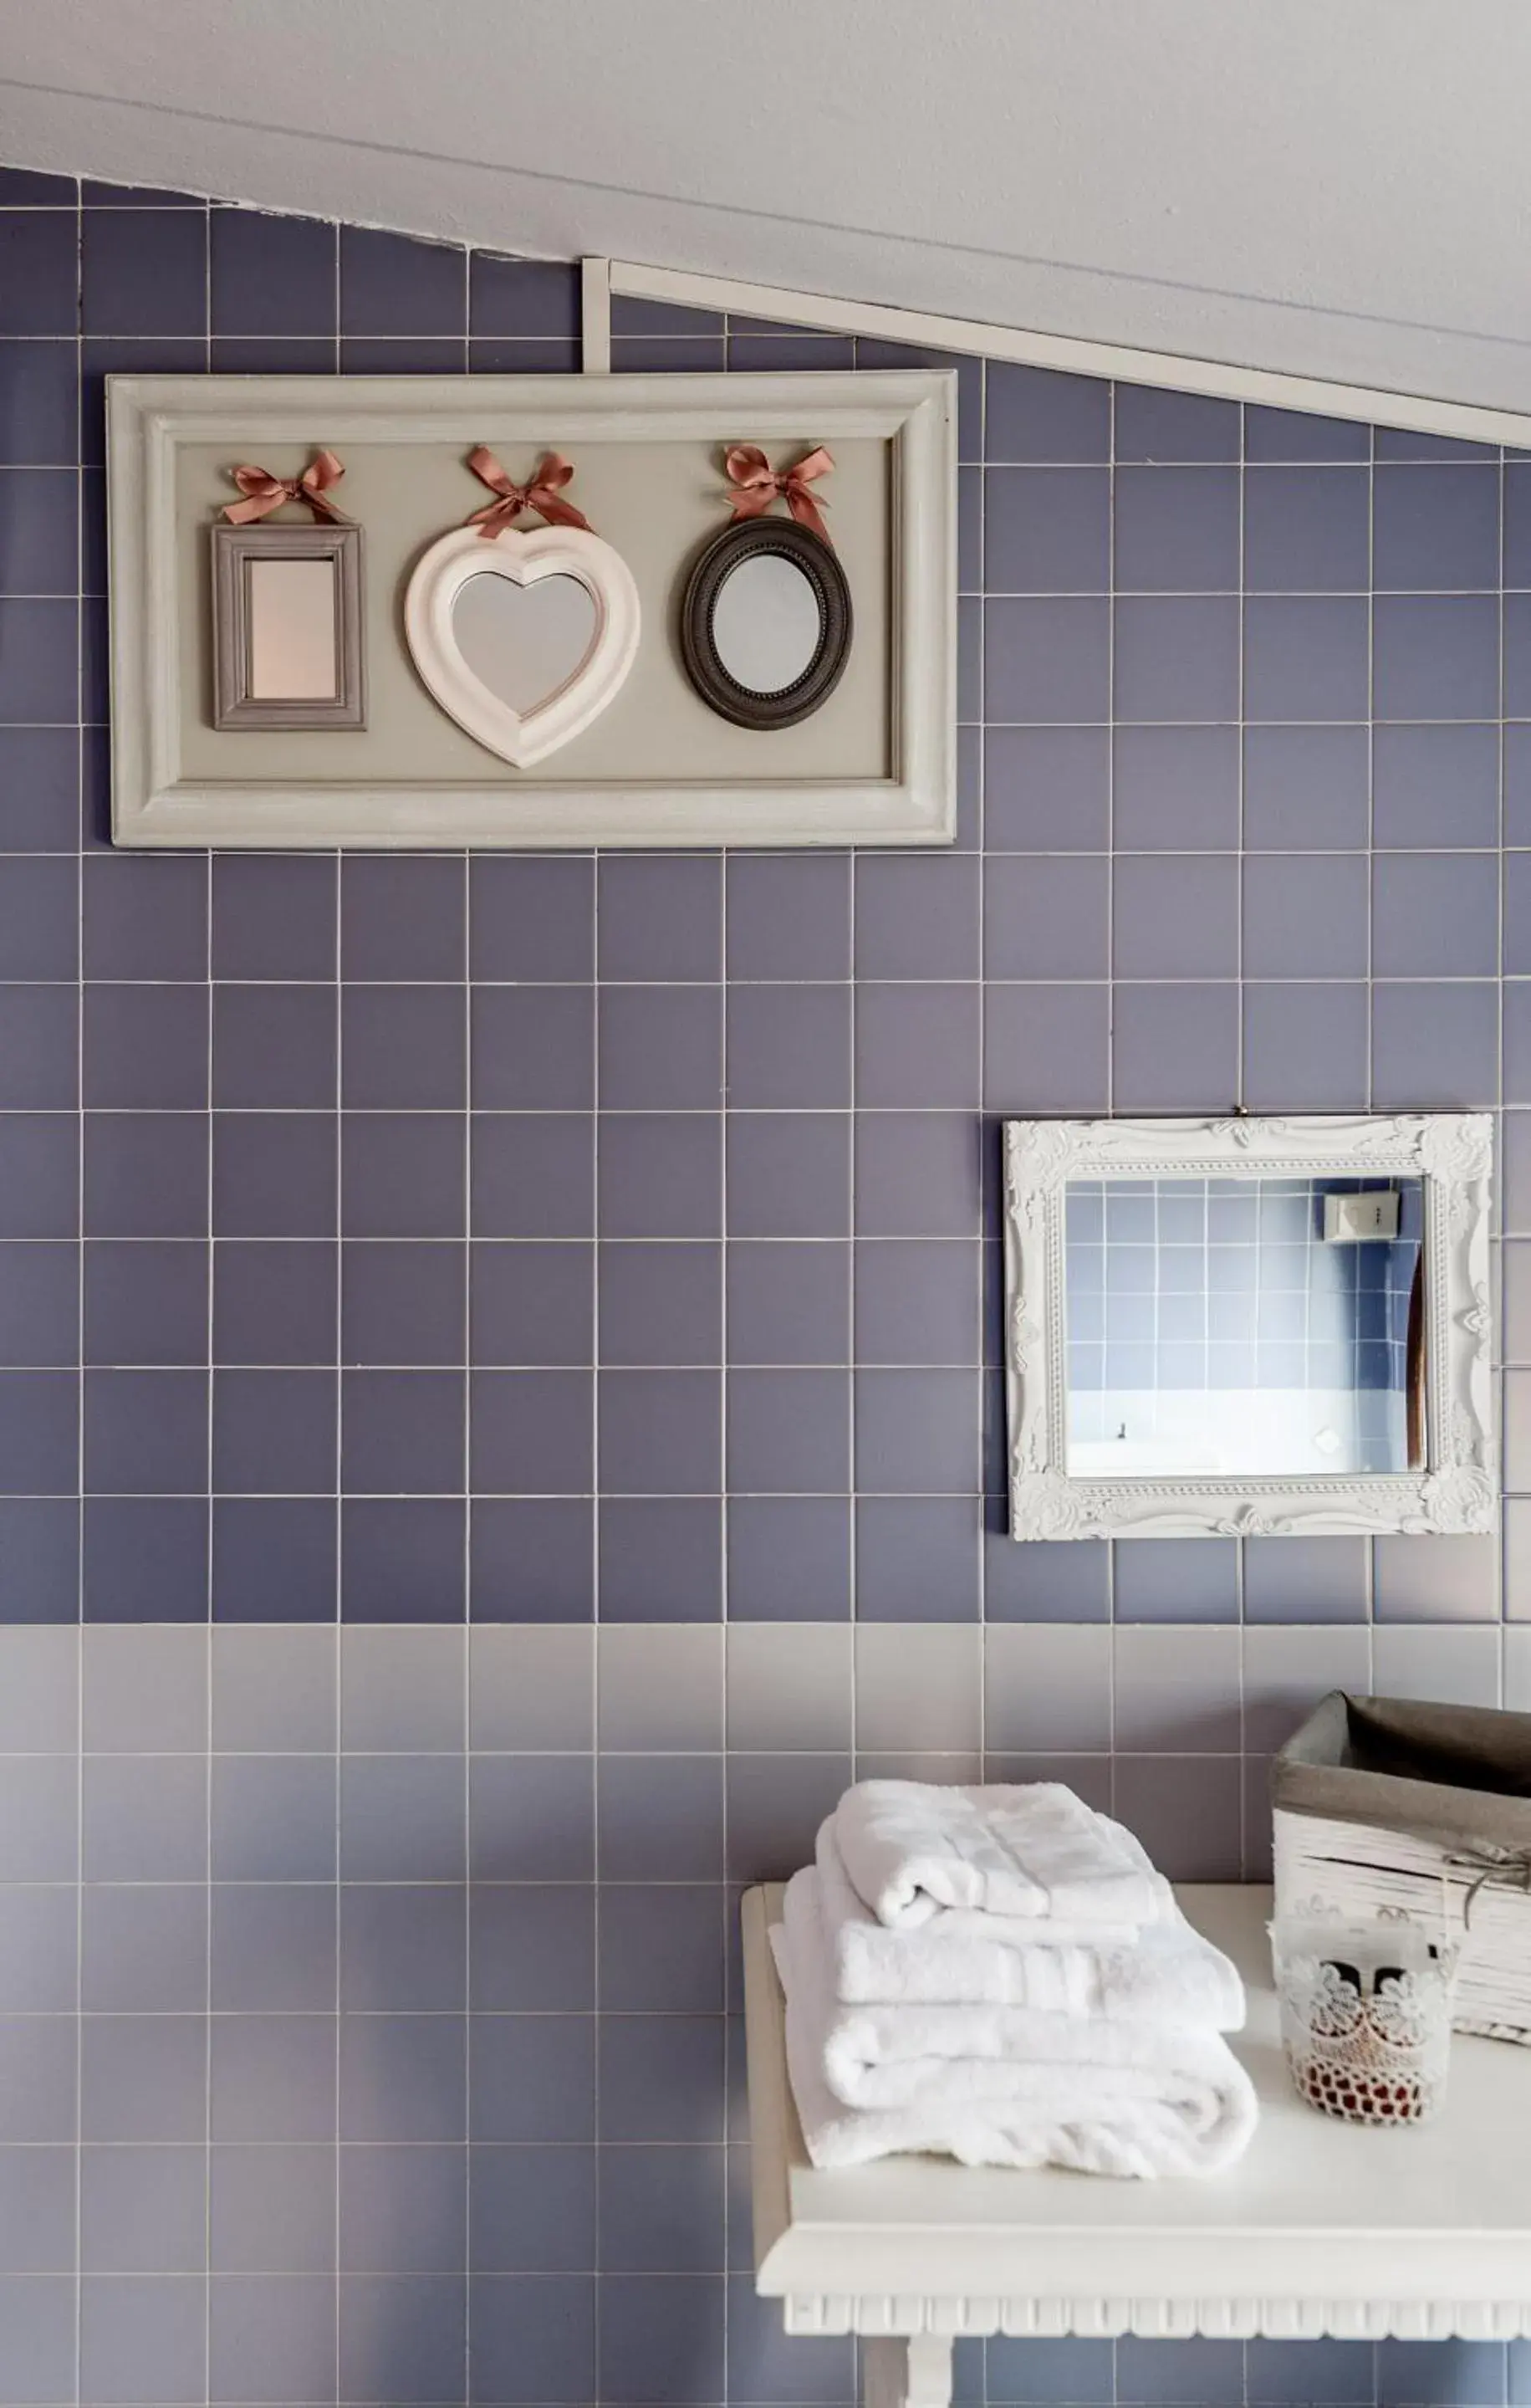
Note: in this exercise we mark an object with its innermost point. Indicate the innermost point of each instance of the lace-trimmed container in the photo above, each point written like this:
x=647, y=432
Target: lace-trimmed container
x=1386, y=1806
x=1366, y=2013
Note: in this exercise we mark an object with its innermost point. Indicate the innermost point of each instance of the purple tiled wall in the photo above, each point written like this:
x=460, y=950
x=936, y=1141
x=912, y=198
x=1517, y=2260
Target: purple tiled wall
x=601, y=1253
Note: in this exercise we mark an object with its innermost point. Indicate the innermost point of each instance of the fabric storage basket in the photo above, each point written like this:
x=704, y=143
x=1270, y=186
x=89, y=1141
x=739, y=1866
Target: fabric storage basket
x=1382, y=1803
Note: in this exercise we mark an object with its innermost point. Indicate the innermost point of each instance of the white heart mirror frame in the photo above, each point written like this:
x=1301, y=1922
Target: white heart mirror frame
x=525, y=556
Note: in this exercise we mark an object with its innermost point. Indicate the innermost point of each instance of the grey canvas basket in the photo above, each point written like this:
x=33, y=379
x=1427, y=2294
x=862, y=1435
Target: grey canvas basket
x=1382, y=1802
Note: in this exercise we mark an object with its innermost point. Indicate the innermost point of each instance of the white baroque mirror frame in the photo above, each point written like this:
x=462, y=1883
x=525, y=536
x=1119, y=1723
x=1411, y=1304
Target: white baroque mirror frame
x=1457, y=1490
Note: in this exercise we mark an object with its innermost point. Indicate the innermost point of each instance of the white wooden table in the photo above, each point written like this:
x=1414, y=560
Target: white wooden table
x=1322, y=2228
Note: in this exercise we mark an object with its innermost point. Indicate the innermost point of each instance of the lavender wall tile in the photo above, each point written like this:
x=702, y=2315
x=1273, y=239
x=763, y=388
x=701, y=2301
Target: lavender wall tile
x=145, y=1049
x=918, y=1045
x=531, y=917
x=1307, y=788
x=788, y=1174
x=1046, y=919
x=38, y=677
x=1176, y=530
x=39, y=255
x=1046, y=662
x=1035, y=414
x=1436, y=658
x=1046, y=790
x=402, y=2077
x=274, y=1300
x=1306, y=1046
x=532, y=1047
x=272, y=1555
x=402, y=1174
x=1042, y=1581
x=390, y=284
x=522, y=296
x=660, y=1432
x=1176, y=658
x=402, y=1559
x=144, y=1302
x=532, y=1176
x=272, y=1046
x=788, y=1302
x=789, y=915
x=789, y=1046
x=788, y=1431
x=660, y=1560
x=530, y=1303
x=661, y=1047
x=788, y=1558
x=142, y=275
x=1306, y=658
x=1294, y=434
x=271, y=275
x=403, y=1303
x=661, y=917
x=918, y=1175
x=145, y=1558
x=273, y=916
x=531, y=1559
x=1436, y=529
x=917, y=1302
x=531, y=1432
x=1435, y=915
x=1175, y=789
x=273, y=1433
x=144, y=1431
x=144, y=2336
x=1046, y=1049
x=1176, y=1581
x=39, y=1305
x=660, y=1175
x=1435, y=787
x=1434, y=1045
x=1047, y=530
x=1173, y=916
x=41, y=810
x=273, y=1175
x=917, y=1559
x=1175, y=1047
x=1152, y=424
x=39, y=1048
x=776, y=1804
x=39, y=531
x=660, y=1304
x=1306, y=530
x=1305, y=915
x=39, y=402
x=402, y=918
x=403, y=1048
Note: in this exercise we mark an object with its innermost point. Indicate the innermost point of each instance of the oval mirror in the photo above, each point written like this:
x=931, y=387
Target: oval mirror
x=765, y=622
x=523, y=642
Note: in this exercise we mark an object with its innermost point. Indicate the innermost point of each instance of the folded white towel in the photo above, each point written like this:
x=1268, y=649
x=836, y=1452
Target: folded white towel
x=1169, y=1974
x=1033, y=1851
x=1191, y=2114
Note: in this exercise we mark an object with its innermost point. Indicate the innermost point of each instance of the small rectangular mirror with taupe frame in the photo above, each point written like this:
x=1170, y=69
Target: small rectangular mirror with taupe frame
x=287, y=627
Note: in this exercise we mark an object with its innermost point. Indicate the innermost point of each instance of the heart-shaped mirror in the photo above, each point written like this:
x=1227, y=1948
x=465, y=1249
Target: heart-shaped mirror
x=523, y=638
x=524, y=642
x=765, y=622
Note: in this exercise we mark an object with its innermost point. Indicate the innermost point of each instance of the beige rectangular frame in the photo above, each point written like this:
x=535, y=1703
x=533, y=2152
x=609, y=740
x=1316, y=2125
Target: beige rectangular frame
x=233, y=549
x=155, y=802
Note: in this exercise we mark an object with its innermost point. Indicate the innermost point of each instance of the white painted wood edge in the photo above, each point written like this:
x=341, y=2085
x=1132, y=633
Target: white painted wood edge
x=1072, y=355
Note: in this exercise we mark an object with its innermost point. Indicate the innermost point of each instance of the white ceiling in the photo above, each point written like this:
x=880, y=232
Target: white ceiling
x=1336, y=191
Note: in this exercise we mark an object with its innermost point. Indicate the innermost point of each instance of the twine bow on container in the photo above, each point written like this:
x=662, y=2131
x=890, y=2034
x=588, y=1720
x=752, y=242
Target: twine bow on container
x=1494, y=1868
x=263, y=492
x=754, y=484
x=541, y=494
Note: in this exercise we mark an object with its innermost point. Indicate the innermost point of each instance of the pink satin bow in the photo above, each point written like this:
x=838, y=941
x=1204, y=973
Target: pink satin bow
x=541, y=494
x=754, y=484
x=263, y=492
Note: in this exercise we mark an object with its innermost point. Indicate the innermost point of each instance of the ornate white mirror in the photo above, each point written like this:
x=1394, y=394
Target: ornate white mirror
x=1256, y=1327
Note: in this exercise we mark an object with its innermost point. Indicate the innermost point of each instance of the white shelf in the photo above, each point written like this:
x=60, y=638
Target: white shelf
x=1322, y=2228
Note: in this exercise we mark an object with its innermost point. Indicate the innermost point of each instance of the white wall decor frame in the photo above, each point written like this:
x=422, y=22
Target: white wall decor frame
x=1457, y=1490
x=156, y=803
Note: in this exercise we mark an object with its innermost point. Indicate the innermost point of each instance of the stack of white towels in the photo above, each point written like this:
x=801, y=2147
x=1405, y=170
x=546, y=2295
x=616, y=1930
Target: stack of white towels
x=999, y=1974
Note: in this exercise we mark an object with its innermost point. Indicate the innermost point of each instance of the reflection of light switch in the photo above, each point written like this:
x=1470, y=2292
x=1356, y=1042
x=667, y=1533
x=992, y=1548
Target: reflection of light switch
x=1349, y=1220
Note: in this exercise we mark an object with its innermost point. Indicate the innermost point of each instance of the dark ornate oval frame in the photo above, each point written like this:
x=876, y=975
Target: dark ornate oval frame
x=741, y=540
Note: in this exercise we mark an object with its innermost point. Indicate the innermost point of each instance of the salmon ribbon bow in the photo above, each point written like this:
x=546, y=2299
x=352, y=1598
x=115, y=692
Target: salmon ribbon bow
x=263, y=492
x=541, y=494
x=754, y=484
